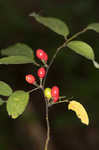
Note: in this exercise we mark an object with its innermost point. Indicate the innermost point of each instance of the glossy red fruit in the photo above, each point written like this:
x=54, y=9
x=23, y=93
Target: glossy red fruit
x=30, y=79
x=55, y=99
x=40, y=54
x=55, y=91
x=45, y=57
x=41, y=72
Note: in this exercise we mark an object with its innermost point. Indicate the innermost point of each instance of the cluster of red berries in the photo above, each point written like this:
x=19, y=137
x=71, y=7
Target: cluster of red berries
x=52, y=94
x=41, y=71
x=49, y=93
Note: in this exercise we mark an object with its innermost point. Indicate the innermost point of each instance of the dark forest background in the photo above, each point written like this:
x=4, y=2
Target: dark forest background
x=75, y=76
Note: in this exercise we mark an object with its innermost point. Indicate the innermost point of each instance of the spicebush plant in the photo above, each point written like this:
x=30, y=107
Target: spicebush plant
x=23, y=54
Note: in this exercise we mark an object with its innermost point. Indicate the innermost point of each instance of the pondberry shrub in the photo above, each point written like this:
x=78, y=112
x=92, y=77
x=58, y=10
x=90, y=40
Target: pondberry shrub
x=23, y=54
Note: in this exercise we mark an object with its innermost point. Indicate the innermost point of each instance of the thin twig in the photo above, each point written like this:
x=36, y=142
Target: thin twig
x=47, y=122
x=48, y=128
x=34, y=89
x=52, y=60
x=62, y=97
x=59, y=102
x=76, y=35
x=64, y=101
x=59, y=48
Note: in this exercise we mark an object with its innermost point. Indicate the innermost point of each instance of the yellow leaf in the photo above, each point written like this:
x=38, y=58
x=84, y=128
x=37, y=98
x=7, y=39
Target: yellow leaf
x=79, y=110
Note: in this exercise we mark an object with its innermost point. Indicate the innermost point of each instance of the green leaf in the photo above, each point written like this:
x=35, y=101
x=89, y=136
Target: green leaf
x=54, y=24
x=82, y=48
x=93, y=26
x=5, y=89
x=21, y=54
x=16, y=60
x=17, y=103
x=1, y=101
x=18, y=49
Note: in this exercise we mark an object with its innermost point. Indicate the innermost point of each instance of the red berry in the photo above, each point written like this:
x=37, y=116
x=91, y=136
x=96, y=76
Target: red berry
x=40, y=54
x=41, y=72
x=55, y=99
x=55, y=91
x=30, y=79
x=45, y=57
